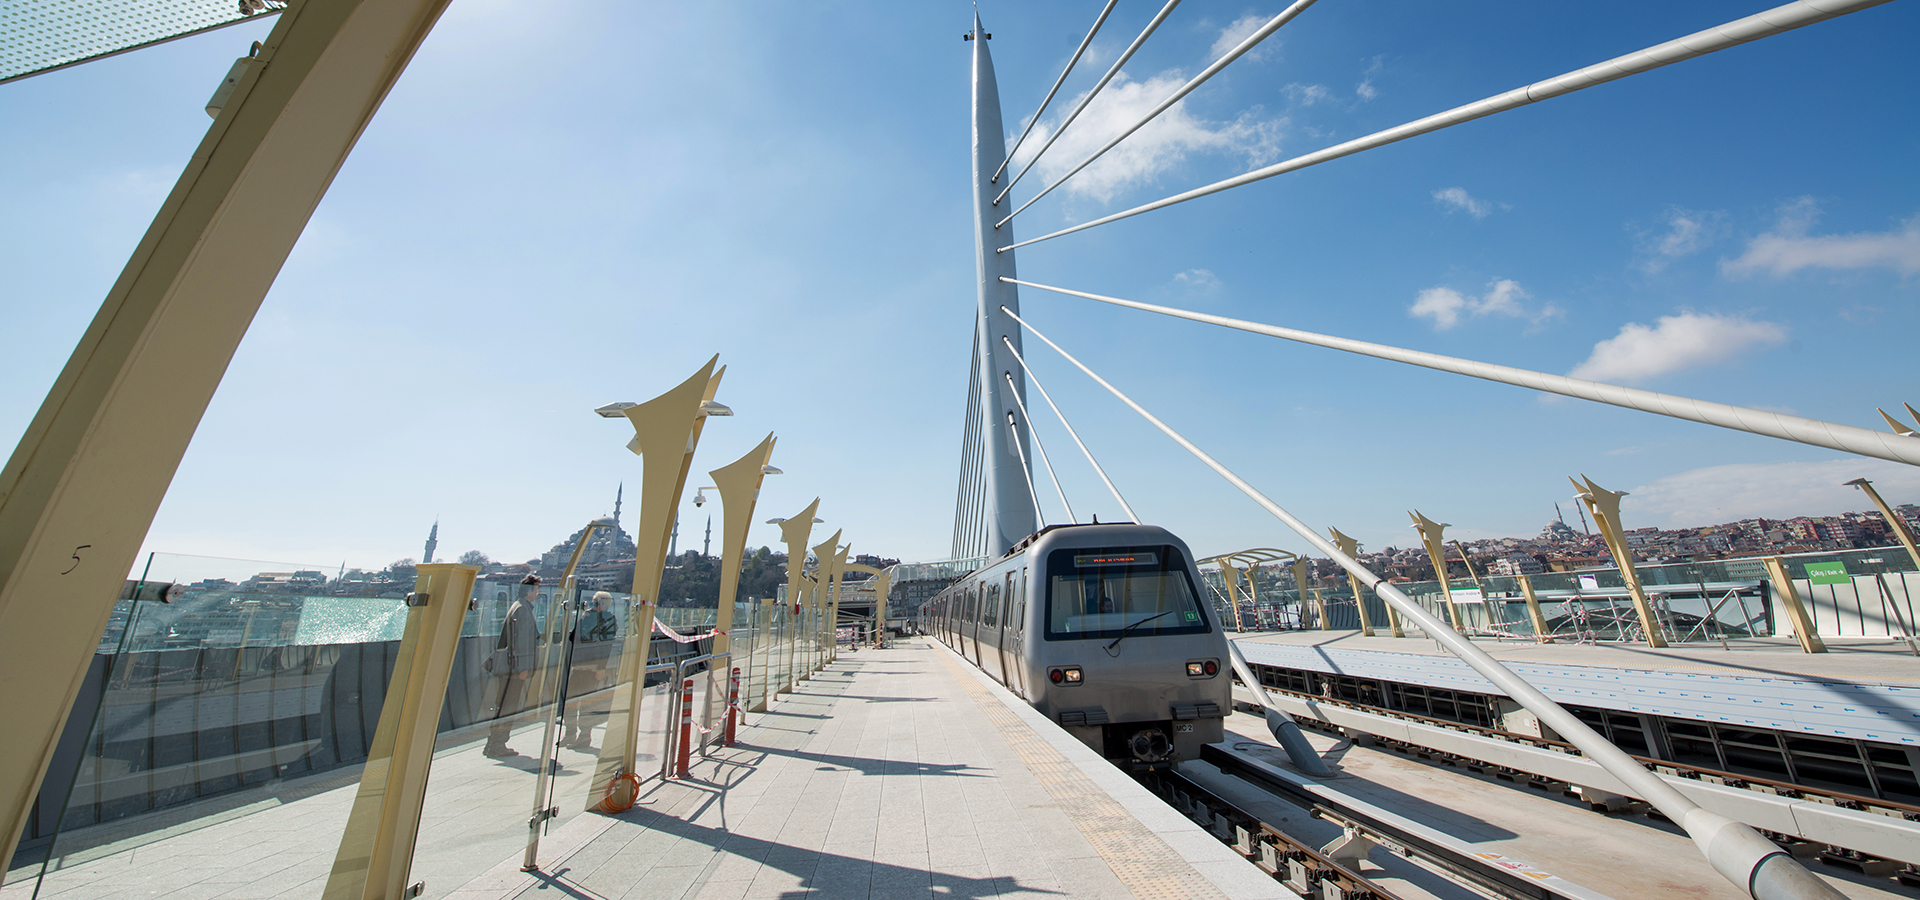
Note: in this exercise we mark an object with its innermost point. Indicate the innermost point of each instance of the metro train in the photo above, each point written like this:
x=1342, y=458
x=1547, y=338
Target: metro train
x=1103, y=629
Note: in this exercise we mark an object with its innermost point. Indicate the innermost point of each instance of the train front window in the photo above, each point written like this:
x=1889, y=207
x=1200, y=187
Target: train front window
x=1099, y=593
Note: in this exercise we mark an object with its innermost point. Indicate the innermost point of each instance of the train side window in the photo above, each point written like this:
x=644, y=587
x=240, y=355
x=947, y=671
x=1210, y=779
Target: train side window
x=989, y=610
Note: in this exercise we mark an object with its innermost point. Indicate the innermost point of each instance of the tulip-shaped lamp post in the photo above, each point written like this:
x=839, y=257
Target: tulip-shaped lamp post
x=1351, y=547
x=1430, y=532
x=794, y=533
x=816, y=599
x=666, y=430
x=1605, y=507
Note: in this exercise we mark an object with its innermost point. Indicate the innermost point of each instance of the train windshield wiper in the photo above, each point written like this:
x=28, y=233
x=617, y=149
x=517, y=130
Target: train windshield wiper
x=1129, y=629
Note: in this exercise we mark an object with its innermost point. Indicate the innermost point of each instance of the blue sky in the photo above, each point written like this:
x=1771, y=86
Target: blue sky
x=562, y=205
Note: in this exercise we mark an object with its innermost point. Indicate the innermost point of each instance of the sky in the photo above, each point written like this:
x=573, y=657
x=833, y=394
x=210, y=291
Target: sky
x=562, y=205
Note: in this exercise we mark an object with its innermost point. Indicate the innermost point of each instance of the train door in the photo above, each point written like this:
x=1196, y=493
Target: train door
x=1008, y=655
x=1017, y=633
x=970, y=636
x=991, y=661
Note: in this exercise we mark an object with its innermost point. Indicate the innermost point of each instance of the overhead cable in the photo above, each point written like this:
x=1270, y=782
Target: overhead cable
x=1069, y=426
x=1834, y=436
x=1735, y=850
x=1251, y=41
x=1700, y=43
x=1112, y=71
x=1056, y=87
x=1026, y=469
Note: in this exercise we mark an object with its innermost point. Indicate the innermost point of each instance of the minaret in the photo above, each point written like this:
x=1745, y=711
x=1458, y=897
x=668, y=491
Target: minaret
x=706, y=549
x=616, y=506
x=673, y=545
x=433, y=540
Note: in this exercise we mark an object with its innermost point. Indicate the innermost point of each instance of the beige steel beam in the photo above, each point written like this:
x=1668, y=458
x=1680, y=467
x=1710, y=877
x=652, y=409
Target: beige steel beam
x=376, y=848
x=1803, y=630
x=1430, y=532
x=666, y=430
x=1299, y=567
x=81, y=489
x=1604, y=505
x=882, y=583
x=739, y=486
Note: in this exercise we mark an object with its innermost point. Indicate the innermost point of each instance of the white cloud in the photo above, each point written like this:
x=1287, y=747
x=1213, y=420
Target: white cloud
x=1308, y=94
x=1198, y=278
x=1673, y=343
x=1457, y=199
x=1504, y=297
x=1365, y=90
x=1729, y=493
x=1788, y=249
x=1241, y=29
x=1687, y=232
x=1155, y=148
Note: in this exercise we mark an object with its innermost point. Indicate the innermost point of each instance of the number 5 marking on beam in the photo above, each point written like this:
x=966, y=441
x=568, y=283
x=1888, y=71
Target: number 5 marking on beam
x=76, y=558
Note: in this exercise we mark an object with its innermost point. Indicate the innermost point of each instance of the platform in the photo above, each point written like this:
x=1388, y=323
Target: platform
x=1862, y=688
x=890, y=774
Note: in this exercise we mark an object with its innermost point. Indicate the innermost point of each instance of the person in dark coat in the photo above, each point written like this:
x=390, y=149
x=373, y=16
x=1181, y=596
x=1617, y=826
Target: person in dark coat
x=508, y=686
x=593, y=650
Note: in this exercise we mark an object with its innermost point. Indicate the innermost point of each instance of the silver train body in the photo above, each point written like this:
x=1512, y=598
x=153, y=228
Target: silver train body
x=1104, y=629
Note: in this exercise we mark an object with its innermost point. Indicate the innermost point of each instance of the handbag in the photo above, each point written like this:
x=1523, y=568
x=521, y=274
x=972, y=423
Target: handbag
x=500, y=660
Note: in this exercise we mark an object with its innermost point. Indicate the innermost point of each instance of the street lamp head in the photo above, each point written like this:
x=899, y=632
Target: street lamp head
x=775, y=520
x=1859, y=482
x=615, y=410
x=769, y=470
x=710, y=408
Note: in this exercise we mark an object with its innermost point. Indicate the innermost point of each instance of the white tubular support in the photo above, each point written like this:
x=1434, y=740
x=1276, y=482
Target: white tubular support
x=1253, y=40
x=1111, y=71
x=1058, y=489
x=1101, y=20
x=1739, y=31
x=1075, y=434
x=1735, y=850
x=1834, y=436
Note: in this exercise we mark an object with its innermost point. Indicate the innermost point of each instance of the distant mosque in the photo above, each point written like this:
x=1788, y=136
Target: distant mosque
x=607, y=545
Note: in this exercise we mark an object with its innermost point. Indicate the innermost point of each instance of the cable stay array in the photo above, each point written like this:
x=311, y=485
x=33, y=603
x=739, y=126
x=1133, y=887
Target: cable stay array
x=1831, y=435
x=1069, y=427
x=1253, y=40
x=1780, y=19
x=1040, y=447
x=1035, y=118
x=1082, y=105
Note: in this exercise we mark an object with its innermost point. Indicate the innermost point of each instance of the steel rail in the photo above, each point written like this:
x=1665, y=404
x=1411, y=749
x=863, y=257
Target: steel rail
x=1404, y=838
x=1252, y=41
x=1056, y=89
x=1272, y=849
x=1069, y=426
x=1831, y=435
x=1037, y=445
x=1735, y=850
x=1739, y=31
x=1111, y=72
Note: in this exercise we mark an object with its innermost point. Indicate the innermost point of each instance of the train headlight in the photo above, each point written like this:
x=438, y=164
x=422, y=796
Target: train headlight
x=1064, y=675
x=1203, y=668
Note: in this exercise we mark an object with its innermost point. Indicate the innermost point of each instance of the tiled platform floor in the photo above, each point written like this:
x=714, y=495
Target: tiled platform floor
x=892, y=773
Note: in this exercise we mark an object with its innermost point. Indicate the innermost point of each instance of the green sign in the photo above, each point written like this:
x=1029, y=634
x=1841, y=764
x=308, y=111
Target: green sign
x=1828, y=573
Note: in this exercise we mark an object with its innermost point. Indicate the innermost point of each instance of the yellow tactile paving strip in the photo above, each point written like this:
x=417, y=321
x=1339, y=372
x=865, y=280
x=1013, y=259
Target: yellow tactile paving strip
x=1138, y=857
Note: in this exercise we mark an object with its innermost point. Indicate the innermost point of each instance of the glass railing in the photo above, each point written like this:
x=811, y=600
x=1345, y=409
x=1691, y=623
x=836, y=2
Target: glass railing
x=1871, y=593
x=230, y=719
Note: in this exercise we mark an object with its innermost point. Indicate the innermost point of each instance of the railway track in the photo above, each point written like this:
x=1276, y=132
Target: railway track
x=1335, y=874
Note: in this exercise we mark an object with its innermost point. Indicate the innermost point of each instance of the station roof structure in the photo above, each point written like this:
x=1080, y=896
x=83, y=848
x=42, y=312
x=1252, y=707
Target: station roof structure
x=38, y=36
